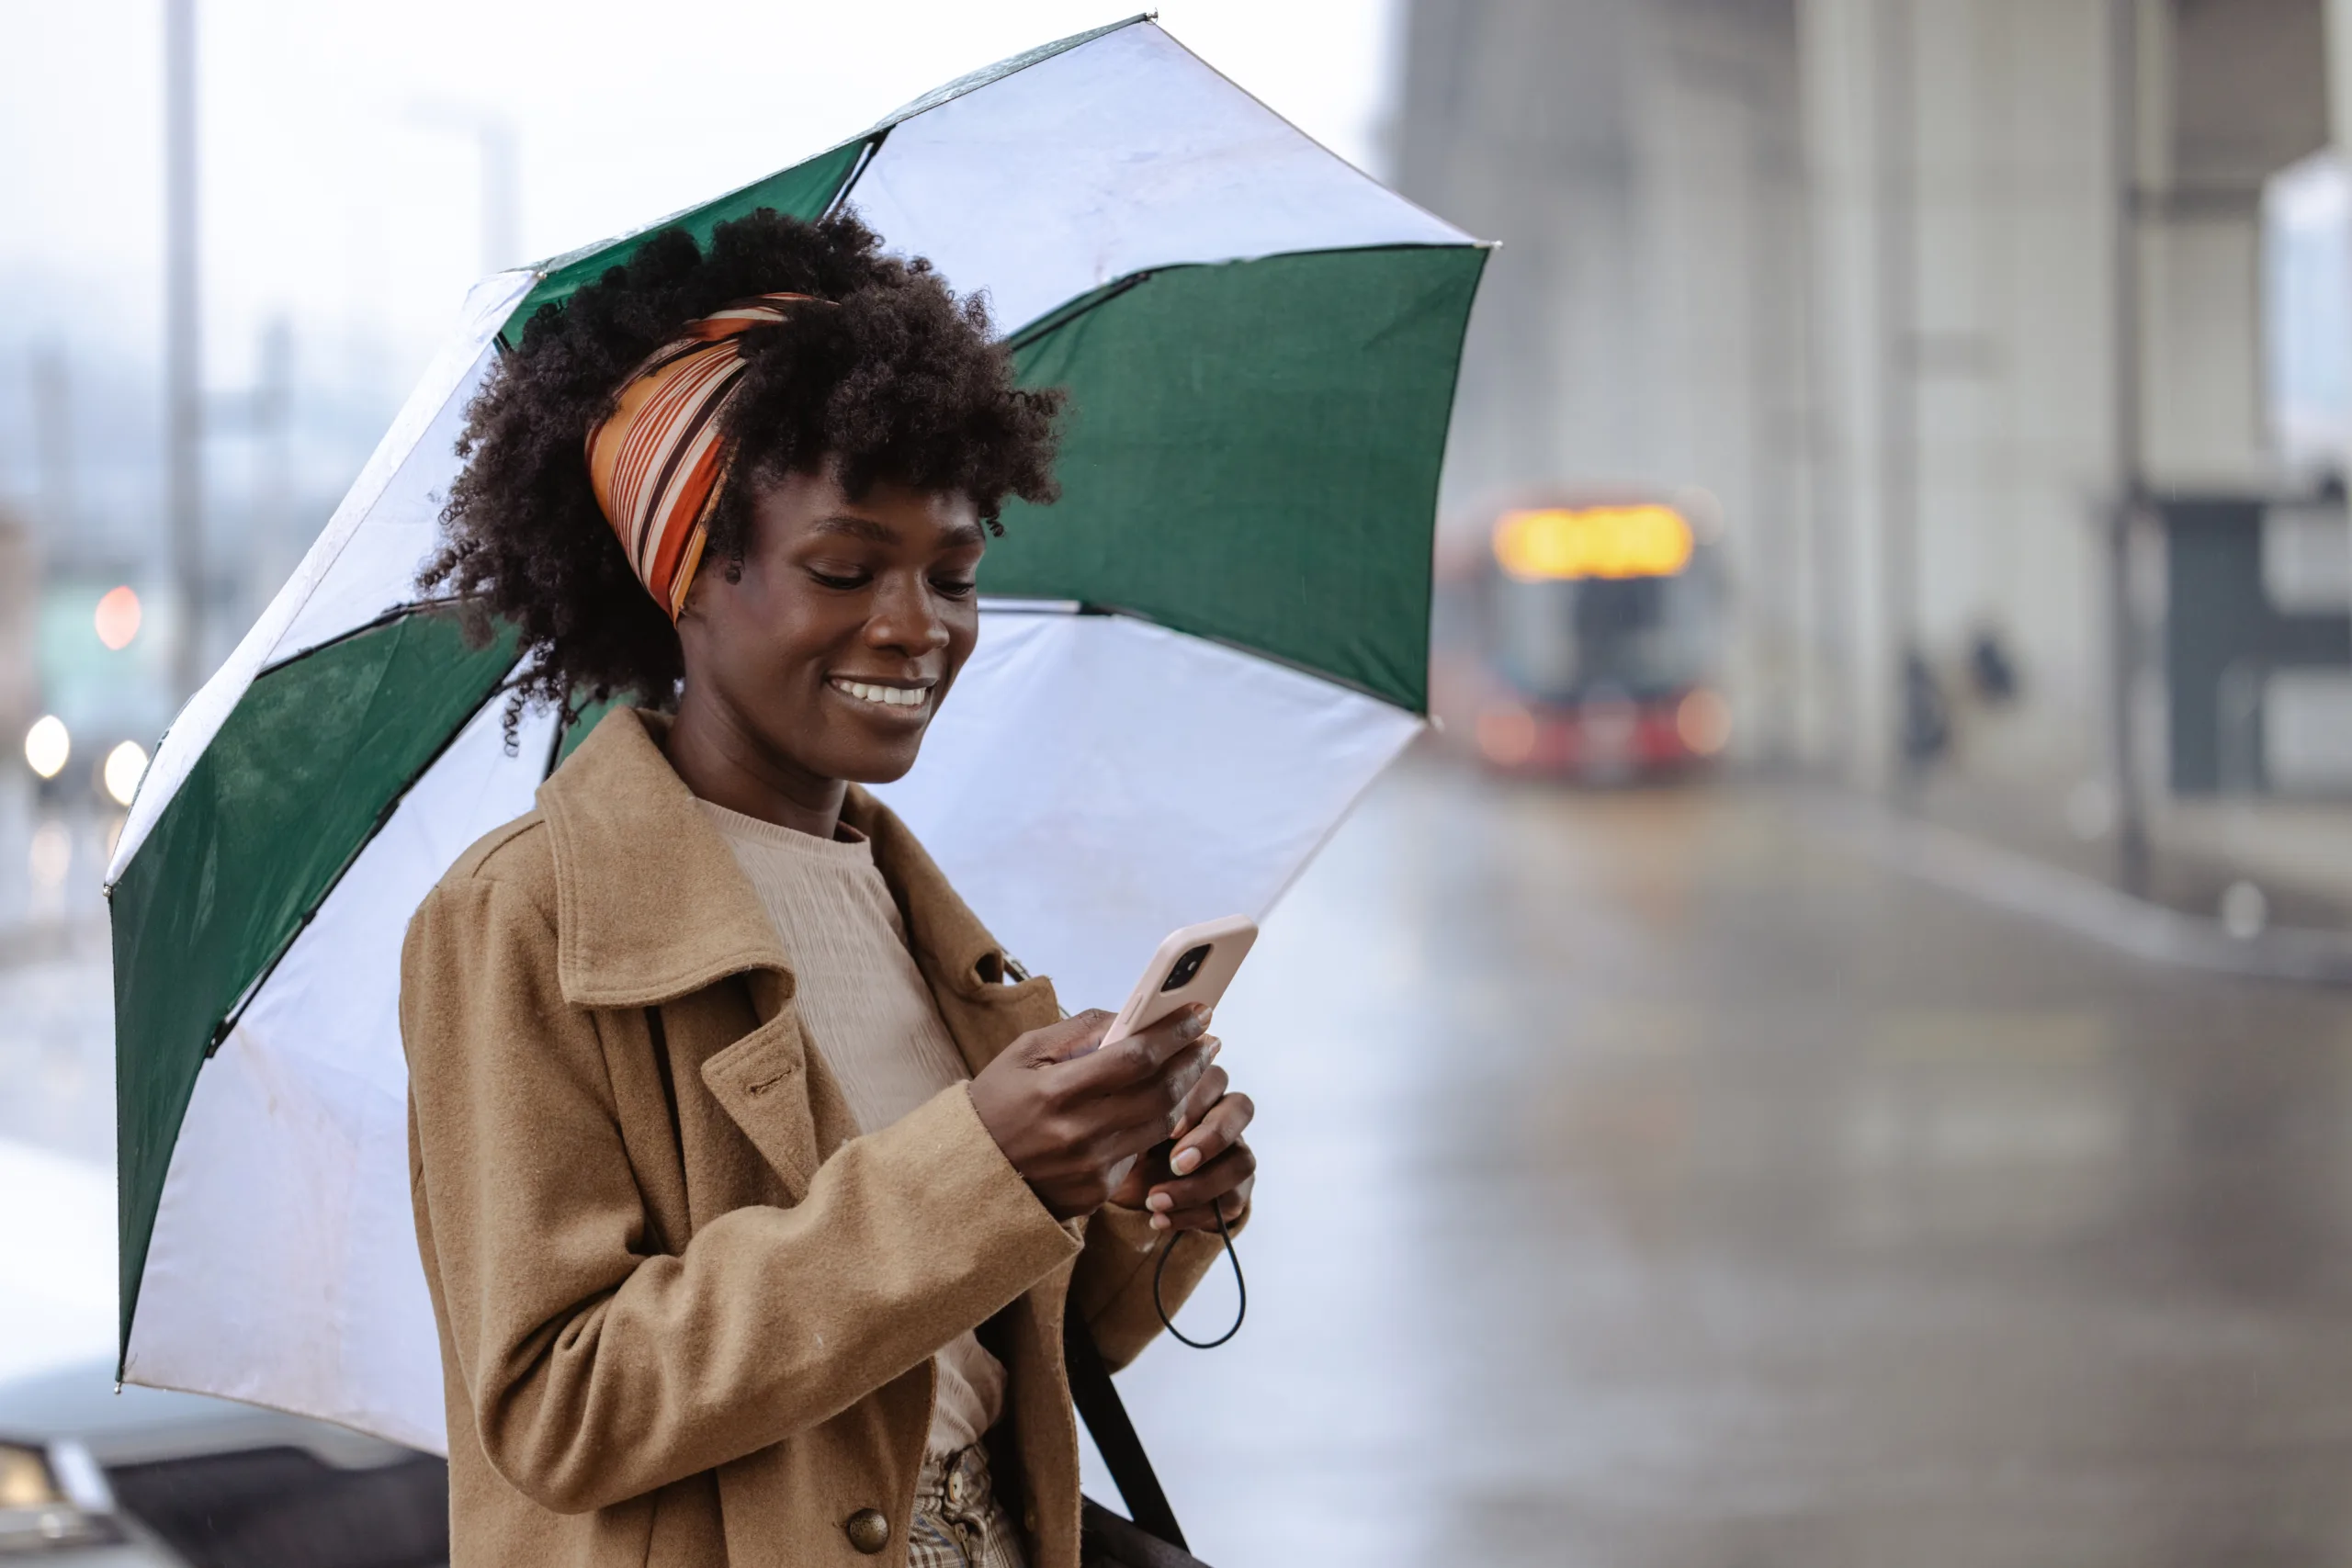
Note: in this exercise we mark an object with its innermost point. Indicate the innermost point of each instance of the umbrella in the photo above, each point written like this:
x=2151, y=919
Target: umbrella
x=1187, y=671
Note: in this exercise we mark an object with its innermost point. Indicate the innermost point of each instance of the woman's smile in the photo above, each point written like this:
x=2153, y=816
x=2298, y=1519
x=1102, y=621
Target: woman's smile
x=907, y=699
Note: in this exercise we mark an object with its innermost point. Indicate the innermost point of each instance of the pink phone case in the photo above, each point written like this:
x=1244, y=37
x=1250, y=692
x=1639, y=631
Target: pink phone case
x=1176, y=976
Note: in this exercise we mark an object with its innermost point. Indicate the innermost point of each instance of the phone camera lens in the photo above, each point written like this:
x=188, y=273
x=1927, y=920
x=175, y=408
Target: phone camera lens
x=1186, y=967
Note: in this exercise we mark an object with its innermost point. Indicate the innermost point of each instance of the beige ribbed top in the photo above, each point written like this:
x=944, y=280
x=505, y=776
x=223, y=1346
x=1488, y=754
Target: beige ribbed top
x=870, y=1016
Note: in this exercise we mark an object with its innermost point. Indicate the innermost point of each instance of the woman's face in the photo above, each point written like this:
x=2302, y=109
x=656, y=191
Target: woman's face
x=848, y=624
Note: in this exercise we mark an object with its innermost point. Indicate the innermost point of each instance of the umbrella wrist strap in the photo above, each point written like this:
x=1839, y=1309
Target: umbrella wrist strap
x=1240, y=1287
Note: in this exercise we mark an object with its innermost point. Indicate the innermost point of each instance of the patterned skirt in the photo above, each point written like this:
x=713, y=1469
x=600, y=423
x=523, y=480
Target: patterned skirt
x=958, y=1523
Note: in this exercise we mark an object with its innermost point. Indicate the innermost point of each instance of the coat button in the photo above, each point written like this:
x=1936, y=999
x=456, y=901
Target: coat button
x=957, y=1487
x=870, y=1532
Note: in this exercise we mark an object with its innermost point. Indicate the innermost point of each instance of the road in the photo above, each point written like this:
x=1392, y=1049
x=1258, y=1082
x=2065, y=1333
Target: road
x=1652, y=1181
x=1649, y=1182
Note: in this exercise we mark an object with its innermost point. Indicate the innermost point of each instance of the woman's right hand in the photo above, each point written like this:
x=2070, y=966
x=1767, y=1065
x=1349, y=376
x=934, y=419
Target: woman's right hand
x=1071, y=1118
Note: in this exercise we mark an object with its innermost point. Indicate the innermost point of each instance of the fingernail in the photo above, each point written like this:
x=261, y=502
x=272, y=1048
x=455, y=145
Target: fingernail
x=1196, y=1018
x=1214, y=1046
x=1159, y=1202
x=1185, y=1162
x=1161, y=1222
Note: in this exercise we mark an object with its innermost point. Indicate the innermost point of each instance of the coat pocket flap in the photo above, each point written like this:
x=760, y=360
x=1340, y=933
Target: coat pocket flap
x=762, y=1081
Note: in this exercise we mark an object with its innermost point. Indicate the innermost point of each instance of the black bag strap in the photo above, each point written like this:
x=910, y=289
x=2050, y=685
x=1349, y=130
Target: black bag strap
x=1099, y=1406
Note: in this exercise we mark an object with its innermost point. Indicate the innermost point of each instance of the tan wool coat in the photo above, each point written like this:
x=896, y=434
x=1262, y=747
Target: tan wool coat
x=686, y=1312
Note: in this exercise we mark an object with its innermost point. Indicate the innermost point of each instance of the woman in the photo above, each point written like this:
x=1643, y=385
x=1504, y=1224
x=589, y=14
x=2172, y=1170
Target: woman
x=753, y=1181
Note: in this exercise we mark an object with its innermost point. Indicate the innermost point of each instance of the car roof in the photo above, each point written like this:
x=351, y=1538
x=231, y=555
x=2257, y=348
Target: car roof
x=131, y=1425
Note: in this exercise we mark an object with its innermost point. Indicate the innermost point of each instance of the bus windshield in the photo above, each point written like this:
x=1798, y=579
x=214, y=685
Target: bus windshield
x=1634, y=636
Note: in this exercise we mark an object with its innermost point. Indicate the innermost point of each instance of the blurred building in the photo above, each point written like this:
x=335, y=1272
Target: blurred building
x=1929, y=294
x=20, y=613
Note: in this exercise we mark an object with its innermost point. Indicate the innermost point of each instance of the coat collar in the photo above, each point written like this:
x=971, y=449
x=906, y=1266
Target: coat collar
x=651, y=905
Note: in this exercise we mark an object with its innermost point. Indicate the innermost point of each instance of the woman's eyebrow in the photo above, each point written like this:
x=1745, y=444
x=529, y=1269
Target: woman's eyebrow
x=961, y=536
x=864, y=528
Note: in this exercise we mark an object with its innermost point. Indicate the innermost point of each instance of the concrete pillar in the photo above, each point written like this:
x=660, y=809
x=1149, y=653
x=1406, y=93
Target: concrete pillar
x=2209, y=141
x=1724, y=209
x=1964, y=211
x=1841, y=50
x=2339, y=109
x=2013, y=357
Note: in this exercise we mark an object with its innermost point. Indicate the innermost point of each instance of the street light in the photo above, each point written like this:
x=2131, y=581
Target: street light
x=47, y=746
x=117, y=617
x=126, y=765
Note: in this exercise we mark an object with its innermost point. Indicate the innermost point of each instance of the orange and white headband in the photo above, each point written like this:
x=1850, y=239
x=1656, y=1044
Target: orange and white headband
x=657, y=461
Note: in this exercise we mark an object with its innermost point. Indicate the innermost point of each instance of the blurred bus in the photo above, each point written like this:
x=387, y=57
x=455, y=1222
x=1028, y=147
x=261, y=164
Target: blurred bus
x=1584, y=640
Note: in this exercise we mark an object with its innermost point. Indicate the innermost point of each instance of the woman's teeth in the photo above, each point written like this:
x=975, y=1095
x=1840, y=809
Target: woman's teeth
x=887, y=696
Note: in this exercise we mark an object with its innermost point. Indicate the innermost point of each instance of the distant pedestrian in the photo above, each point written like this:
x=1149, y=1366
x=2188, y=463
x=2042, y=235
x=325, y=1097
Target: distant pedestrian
x=752, y=1178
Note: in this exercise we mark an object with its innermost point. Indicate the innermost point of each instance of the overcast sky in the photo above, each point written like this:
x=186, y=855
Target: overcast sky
x=336, y=192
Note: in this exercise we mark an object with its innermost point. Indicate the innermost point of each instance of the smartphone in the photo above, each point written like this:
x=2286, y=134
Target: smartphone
x=1193, y=964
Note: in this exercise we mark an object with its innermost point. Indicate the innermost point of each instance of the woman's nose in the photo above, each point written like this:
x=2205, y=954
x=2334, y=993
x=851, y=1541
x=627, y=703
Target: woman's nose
x=906, y=620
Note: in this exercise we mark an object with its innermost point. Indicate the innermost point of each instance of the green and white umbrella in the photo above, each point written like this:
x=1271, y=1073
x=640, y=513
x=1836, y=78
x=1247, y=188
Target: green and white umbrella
x=1187, y=671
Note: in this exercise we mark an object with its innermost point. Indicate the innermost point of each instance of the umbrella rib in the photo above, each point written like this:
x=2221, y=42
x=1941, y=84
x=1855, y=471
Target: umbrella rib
x=555, y=741
x=857, y=170
x=1070, y=310
x=568, y=719
x=376, y=622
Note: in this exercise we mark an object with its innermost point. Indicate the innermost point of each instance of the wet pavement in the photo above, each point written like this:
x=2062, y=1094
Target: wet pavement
x=1651, y=1180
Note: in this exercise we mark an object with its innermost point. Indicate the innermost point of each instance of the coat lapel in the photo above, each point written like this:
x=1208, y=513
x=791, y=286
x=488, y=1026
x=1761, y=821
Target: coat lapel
x=649, y=903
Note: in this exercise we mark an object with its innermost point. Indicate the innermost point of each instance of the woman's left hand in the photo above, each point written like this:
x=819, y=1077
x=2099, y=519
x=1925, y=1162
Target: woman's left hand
x=1206, y=1169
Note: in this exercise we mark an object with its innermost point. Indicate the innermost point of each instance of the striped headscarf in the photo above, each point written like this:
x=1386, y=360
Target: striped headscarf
x=657, y=461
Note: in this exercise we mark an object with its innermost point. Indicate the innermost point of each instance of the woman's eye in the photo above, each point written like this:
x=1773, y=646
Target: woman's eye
x=954, y=588
x=833, y=579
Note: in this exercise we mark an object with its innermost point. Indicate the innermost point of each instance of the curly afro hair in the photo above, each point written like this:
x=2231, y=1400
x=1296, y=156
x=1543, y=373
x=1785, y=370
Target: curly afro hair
x=902, y=383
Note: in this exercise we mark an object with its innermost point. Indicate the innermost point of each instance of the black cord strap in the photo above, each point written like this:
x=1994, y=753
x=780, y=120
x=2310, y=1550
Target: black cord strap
x=1240, y=1286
